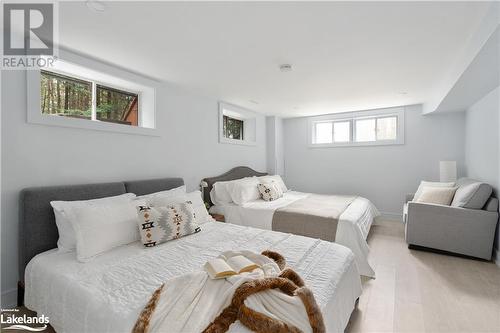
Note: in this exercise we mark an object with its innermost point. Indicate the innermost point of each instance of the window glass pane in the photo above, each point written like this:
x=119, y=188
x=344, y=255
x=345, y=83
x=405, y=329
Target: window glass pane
x=323, y=132
x=65, y=96
x=387, y=128
x=341, y=131
x=232, y=128
x=116, y=106
x=365, y=130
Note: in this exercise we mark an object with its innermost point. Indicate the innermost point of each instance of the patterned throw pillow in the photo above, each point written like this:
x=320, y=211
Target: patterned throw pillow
x=160, y=224
x=270, y=191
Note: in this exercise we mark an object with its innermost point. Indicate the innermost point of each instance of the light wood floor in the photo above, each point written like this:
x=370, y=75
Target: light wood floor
x=417, y=291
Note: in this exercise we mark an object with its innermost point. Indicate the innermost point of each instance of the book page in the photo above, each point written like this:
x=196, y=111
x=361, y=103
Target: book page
x=241, y=264
x=218, y=268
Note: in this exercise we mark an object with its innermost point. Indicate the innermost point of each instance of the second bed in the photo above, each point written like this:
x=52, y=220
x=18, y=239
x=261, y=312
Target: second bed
x=352, y=228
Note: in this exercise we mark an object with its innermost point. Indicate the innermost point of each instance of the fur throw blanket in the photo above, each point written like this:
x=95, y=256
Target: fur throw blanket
x=287, y=282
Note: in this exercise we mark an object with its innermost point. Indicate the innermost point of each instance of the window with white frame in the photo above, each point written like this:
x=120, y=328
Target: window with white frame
x=377, y=127
x=83, y=93
x=237, y=125
x=68, y=96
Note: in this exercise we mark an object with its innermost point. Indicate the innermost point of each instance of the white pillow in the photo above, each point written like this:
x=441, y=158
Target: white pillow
x=430, y=184
x=219, y=193
x=437, y=195
x=275, y=178
x=63, y=211
x=244, y=190
x=199, y=207
x=175, y=192
x=201, y=214
x=100, y=228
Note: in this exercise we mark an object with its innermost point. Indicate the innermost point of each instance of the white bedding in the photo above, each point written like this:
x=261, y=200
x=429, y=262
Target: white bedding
x=352, y=229
x=107, y=294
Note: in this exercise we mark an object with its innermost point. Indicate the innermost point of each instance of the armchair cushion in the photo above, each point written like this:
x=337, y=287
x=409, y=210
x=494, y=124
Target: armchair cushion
x=471, y=194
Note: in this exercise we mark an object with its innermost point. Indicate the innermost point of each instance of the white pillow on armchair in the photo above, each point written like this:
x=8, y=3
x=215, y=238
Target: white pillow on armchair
x=431, y=184
x=437, y=195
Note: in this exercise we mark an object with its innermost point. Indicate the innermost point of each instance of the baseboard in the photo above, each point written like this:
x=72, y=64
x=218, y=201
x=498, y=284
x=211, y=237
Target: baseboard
x=393, y=217
x=9, y=298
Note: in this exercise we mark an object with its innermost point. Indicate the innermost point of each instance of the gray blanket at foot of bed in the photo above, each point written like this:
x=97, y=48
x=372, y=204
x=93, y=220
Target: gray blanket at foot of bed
x=315, y=216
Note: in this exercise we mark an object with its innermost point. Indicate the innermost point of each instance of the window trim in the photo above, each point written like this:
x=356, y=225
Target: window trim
x=111, y=74
x=398, y=112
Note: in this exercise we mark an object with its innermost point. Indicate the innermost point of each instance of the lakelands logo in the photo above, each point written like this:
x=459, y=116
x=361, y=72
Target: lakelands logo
x=14, y=321
x=29, y=35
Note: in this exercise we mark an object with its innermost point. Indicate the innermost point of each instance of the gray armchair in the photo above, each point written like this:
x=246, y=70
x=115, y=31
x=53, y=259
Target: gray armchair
x=456, y=228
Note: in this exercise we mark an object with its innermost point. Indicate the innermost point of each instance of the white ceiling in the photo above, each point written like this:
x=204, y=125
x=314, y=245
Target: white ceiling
x=345, y=56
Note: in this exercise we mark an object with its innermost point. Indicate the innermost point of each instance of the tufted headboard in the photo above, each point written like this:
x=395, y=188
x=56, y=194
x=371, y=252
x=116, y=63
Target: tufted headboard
x=233, y=174
x=37, y=225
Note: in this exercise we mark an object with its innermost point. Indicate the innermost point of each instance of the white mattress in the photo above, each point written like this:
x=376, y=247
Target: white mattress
x=108, y=293
x=352, y=229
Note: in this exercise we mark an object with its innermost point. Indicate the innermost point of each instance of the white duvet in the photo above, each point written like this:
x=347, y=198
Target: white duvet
x=352, y=229
x=108, y=293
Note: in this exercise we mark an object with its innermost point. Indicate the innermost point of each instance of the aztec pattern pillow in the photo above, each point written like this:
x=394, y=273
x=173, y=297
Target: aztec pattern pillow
x=270, y=191
x=160, y=224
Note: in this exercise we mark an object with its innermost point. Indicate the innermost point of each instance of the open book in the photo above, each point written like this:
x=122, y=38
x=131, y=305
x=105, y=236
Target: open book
x=219, y=268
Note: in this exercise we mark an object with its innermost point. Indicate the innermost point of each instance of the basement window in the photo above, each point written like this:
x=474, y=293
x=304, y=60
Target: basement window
x=67, y=96
x=237, y=125
x=233, y=128
x=364, y=128
x=83, y=93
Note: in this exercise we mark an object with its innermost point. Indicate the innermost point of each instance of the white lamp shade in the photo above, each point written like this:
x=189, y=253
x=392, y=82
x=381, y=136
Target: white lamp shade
x=447, y=171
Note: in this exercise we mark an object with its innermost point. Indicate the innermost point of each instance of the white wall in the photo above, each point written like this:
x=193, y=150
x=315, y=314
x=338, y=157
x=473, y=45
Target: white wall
x=38, y=155
x=383, y=174
x=482, y=143
x=275, y=147
x=280, y=147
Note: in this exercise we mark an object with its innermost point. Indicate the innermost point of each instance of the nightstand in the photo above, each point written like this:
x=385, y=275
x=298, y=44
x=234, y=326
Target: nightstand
x=218, y=217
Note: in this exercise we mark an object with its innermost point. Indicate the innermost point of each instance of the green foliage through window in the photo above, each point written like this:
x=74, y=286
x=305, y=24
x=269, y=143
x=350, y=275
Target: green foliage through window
x=65, y=96
x=116, y=106
x=232, y=128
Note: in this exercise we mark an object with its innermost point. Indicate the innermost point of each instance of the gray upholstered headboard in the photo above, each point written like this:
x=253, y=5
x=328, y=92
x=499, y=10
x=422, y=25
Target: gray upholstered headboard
x=233, y=174
x=37, y=225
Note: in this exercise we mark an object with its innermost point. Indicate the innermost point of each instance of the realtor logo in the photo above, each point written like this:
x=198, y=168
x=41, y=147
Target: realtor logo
x=29, y=35
x=36, y=20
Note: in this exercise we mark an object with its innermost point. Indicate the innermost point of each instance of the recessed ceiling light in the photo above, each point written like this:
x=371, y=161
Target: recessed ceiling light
x=285, y=67
x=96, y=5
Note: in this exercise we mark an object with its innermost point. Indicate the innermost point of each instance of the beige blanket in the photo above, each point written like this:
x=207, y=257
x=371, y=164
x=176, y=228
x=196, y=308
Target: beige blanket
x=315, y=216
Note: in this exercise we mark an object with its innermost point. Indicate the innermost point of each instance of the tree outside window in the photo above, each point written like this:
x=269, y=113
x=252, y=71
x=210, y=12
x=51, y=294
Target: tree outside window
x=233, y=128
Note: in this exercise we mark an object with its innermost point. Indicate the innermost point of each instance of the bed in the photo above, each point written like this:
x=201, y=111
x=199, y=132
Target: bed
x=108, y=293
x=353, y=224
